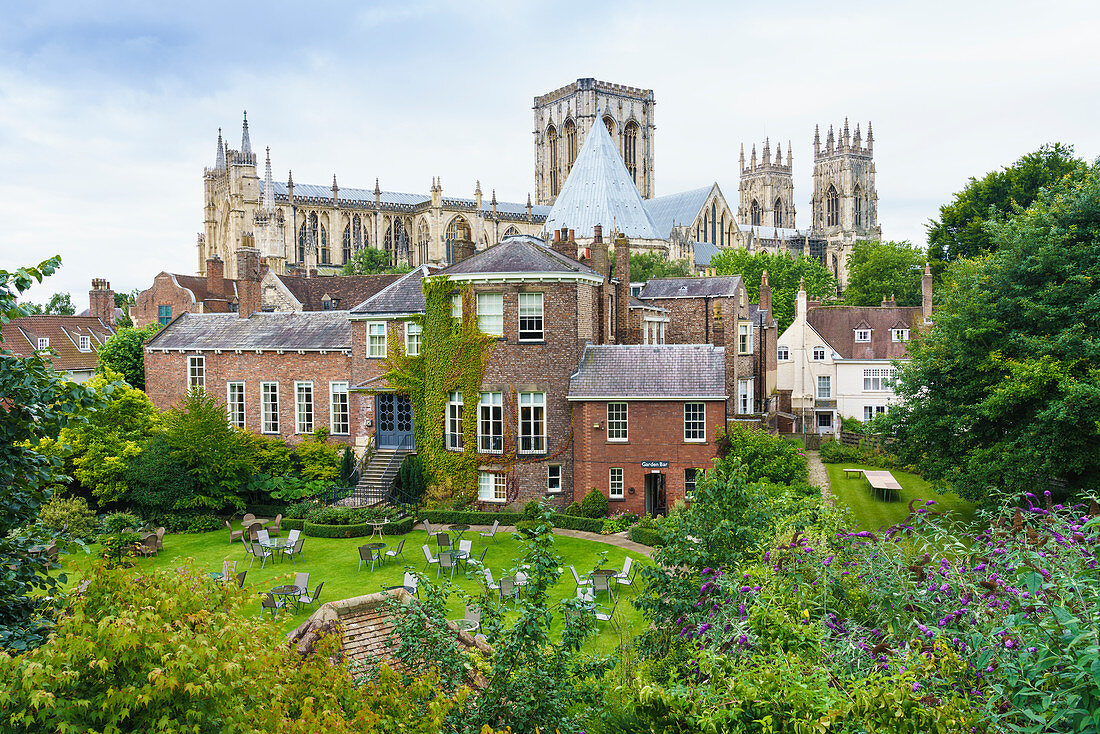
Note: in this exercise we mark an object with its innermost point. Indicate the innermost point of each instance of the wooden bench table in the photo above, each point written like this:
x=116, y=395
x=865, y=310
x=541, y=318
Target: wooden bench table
x=848, y=473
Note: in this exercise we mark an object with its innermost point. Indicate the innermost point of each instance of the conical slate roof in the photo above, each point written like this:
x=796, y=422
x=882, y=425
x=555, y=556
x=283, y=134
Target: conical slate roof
x=599, y=190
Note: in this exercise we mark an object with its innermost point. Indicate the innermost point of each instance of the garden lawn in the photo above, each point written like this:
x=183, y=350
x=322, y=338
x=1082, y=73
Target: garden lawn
x=334, y=562
x=871, y=512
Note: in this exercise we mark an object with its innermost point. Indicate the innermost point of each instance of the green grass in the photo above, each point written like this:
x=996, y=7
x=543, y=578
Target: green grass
x=334, y=562
x=871, y=512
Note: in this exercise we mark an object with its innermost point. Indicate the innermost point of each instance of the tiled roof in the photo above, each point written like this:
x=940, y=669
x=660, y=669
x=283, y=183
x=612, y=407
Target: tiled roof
x=348, y=290
x=837, y=326
x=21, y=338
x=313, y=330
x=520, y=254
x=403, y=296
x=704, y=251
x=717, y=286
x=674, y=210
x=198, y=285
x=641, y=372
x=599, y=190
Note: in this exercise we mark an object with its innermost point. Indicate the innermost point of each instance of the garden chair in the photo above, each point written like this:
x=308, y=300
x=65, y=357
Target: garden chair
x=366, y=555
x=472, y=613
x=442, y=541
x=258, y=551
x=52, y=551
x=148, y=546
x=294, y=549
x=466, y=547
x=446, y=563
x=428, y=529
x=254, y=531
x=160, y=539
x=240, y=579
x=247, y=519
x=601, y=617
x=429, y=560
x=509, y=589
x=602, y=582
x=270, y=602
x=479, y=561
x=410, y=584
x=586, y=594
x=624, y=581
x=262, y=536
x=493, y=586
x=292, y=536
x=273, y=528
x=580, y=582
x=306, y=598
x=301, y=580
x=233, y=534
x=398, y=551
x=492, y=532
x=521, y=581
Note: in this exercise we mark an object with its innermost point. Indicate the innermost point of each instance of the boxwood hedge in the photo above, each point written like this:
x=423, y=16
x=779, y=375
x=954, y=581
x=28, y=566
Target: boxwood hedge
x=359, y=530
x=646, y=536
x=459, y=517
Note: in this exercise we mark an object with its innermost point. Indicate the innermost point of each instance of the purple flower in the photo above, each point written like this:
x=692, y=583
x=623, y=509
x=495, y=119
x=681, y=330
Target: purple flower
x=916, y=687
x=704, y=627
x=745, y=589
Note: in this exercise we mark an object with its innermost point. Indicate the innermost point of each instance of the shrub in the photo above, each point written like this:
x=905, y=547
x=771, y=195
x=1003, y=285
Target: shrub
x=852, y=425
x=299, y=510
x=116, y=522
x=349, y=515
x=412, y=479
x=646, y=536
x=317, y=460
x=293, y=523
x=532, y=509
x=835, y=452
x=469, y=517
x=764, y=457
x=594, y=504
x=347, y=465
x=204, y=524
x=574, y=509
x=527, y=528
x=587, y=524
x=158, y=483
x=620, y=522
x=69, y=514
x=317, y=530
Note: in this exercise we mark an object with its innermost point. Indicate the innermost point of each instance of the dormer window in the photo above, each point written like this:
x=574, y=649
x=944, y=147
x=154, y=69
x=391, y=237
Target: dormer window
x=43, y=342
x=863, y=335
x=900, y=335
x=85, y=343
x=818, y=354
x=330, y=304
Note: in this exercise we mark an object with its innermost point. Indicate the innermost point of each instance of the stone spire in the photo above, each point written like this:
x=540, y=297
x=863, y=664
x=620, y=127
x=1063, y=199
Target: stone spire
x=290, y=185
x=829, y=141
x=753, y=163
x=219, y=161
x=847, y=137
x=817, y=140
x=870, y=138
x=528, y=206
x=493, y=203
x=789, y=158
x=767, y=150
x=779, y=155
x=742, y=156
x=269, y=185
x=246, y=144
x=377, y=193
x=857, y=141
x=477, y=195
x=335, y=188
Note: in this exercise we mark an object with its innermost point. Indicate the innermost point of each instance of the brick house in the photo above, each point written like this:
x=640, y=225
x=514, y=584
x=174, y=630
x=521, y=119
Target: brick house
x=173, y=294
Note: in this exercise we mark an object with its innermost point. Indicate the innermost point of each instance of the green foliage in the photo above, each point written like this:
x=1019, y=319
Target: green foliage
x=648, y=265
x=287, y=488
x=69, y=515
x=532, y=509
x=594, y=504
x=349, y=515
x=271, y=453
x=878, y=270
x=836, y=452
x=316, y=459
x=371, y=261
x=411, y=479
x=37, y=405
x=299, y=510
x=59, y=304
x=852, y=425
x=646, y=536
x=574, y=509
x=116, y=522
x=764, y=457
x=1004, y=389
x=204, y=523
x=347, y=465
x=124, y=353
x=784, y=275
x=963, y=227
x=621, y=521
x=469, y=517
x=587, y=524
x=157, y=482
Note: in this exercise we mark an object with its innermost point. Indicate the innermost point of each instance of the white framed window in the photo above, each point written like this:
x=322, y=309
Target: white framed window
x=899, y=335
x=824, y=420
x=530, y=317
x=490, y=424
x=744, y=396
x=303, y=407
x=43, y=342
x=269, y=407
x=553, y=478
x=818, y=354
x=491, y=487
x=412, y=338
x=456, y=306
x=615, y=483
x=878, y=379
x=782, y=353
x=339, y=409
x=744, y=338
x=196, y=373
x=454, y=421
x=616, y=422
x=689, y=483
x=695, y=421
x=85, y=343
x=490, y=313
x=863, y=335
x=532, y=422
x=234, y=403
x=824, y=386
x=376, y=339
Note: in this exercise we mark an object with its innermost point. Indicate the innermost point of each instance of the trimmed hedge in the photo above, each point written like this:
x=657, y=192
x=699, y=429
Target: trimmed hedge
x=588, y=524
x=456, y=517
x=289, y=523
x=317, y=530
x=400, y=527
x=646, y=536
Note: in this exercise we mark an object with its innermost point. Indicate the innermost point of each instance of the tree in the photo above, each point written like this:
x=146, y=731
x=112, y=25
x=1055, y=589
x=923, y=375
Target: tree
x=124, y=353
x=124, y=301
x=371, y=261
x=647, y=265
x=59, y=304
x=1003, y=392
x=962, y=228
x=883, y=269
x=784, y=275
x=37, y=405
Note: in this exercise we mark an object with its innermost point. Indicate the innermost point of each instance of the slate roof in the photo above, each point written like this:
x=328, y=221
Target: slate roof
x=404, y=296
x=599, y=190
x=21, y=338
x=348, y=290
x=312, y=330
x=716, y=286
x=704, y=251
x=766, y=232
x=650, y=372
x=680, y=209
x=837, y=325
x=637, y=303
x=521, y=254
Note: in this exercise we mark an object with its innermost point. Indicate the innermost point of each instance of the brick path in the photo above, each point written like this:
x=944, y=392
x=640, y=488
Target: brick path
x=819, y=476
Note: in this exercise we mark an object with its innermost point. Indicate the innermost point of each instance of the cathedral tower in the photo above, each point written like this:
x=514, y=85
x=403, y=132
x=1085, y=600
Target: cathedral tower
x=767, y=189
x=564, y=117
x=845, y=201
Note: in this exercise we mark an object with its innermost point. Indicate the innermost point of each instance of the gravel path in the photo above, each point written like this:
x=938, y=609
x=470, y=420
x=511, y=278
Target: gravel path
x=819, y=476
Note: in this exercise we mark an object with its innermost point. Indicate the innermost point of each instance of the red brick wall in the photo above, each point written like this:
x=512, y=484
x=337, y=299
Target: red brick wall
x=164, y=292
x=655, y=431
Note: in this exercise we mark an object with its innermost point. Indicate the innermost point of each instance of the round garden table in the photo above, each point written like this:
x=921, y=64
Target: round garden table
x=459, y=530
x=377, y=527
x=288, y=590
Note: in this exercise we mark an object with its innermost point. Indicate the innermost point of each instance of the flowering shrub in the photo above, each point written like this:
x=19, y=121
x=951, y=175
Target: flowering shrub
x=620, y=522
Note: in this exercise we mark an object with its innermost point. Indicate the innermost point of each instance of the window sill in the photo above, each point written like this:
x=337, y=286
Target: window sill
x=616, y=499
x=620, y=441
x=530, y=341
x=695, y=440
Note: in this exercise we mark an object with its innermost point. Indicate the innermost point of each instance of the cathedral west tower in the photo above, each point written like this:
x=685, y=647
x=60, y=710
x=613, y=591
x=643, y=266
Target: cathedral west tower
x=767, y=189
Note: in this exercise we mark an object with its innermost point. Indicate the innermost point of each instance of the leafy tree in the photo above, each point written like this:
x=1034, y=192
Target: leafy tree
x=647, y=265
x=371, y=261
x=784, y=275
x=124, y=301
x=59, y=304
x=37, y=405
x=124, y=353
x=1004, y=389
x=962, y=228
x=884, y=269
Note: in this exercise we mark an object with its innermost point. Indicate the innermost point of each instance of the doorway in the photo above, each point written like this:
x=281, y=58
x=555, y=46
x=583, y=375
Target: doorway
x=655, y=500
x=395, y=421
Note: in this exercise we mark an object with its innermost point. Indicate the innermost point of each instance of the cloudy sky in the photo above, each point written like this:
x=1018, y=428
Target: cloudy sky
x=109, y=111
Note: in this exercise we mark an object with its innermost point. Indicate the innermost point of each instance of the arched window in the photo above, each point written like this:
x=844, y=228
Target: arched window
x=387, y=241
x=722, y=230
x=832, y=207
x=777, y=215
x=452, y=233
x=356, y=233
x=400, y=241
x=302, y=242
x=706, y=228
x=324, y=246
x=610, y=125
x=754, y=213
x=511, y=232
x=570, y=131
x=552, y=145
x=713, y=223
x=347, y=242
x=630, y=150
x=422, y=237
x=858, y=207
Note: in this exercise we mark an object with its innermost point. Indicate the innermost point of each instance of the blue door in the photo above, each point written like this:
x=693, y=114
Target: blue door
x=394, y=416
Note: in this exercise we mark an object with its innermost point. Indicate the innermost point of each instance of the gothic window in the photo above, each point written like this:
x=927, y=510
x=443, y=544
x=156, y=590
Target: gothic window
x=400, y=241
x=859, y=207
x=630, y=150
x=832, y=207
x=570, y=131
x=452, y=234
x=356, y=233
x=324, y=246
x=713, y=223
x=552, y=144
x=422, y=237
x=302, y=243
x=755, y=213
x=347, y=243
x=722, y=230
x=777, y=215
x=705, y=229
x=511, y=232
x=610, y=125
x=388, y=242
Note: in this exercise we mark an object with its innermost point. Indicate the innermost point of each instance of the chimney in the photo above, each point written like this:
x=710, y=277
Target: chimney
x=101, y=301
x=564, y=243
x=248, y=281
x=889, y=302
x=765, y=296
x=601, y=263
x=622, y=290
x=800, y=304
x=215, y=275
x=463, y=246
x=926, y=294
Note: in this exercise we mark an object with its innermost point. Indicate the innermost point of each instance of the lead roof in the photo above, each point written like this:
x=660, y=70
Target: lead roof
x=650, y=372
x=312, y=330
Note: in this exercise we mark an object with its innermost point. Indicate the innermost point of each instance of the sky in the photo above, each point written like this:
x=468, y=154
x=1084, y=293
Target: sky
x=110, y=111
